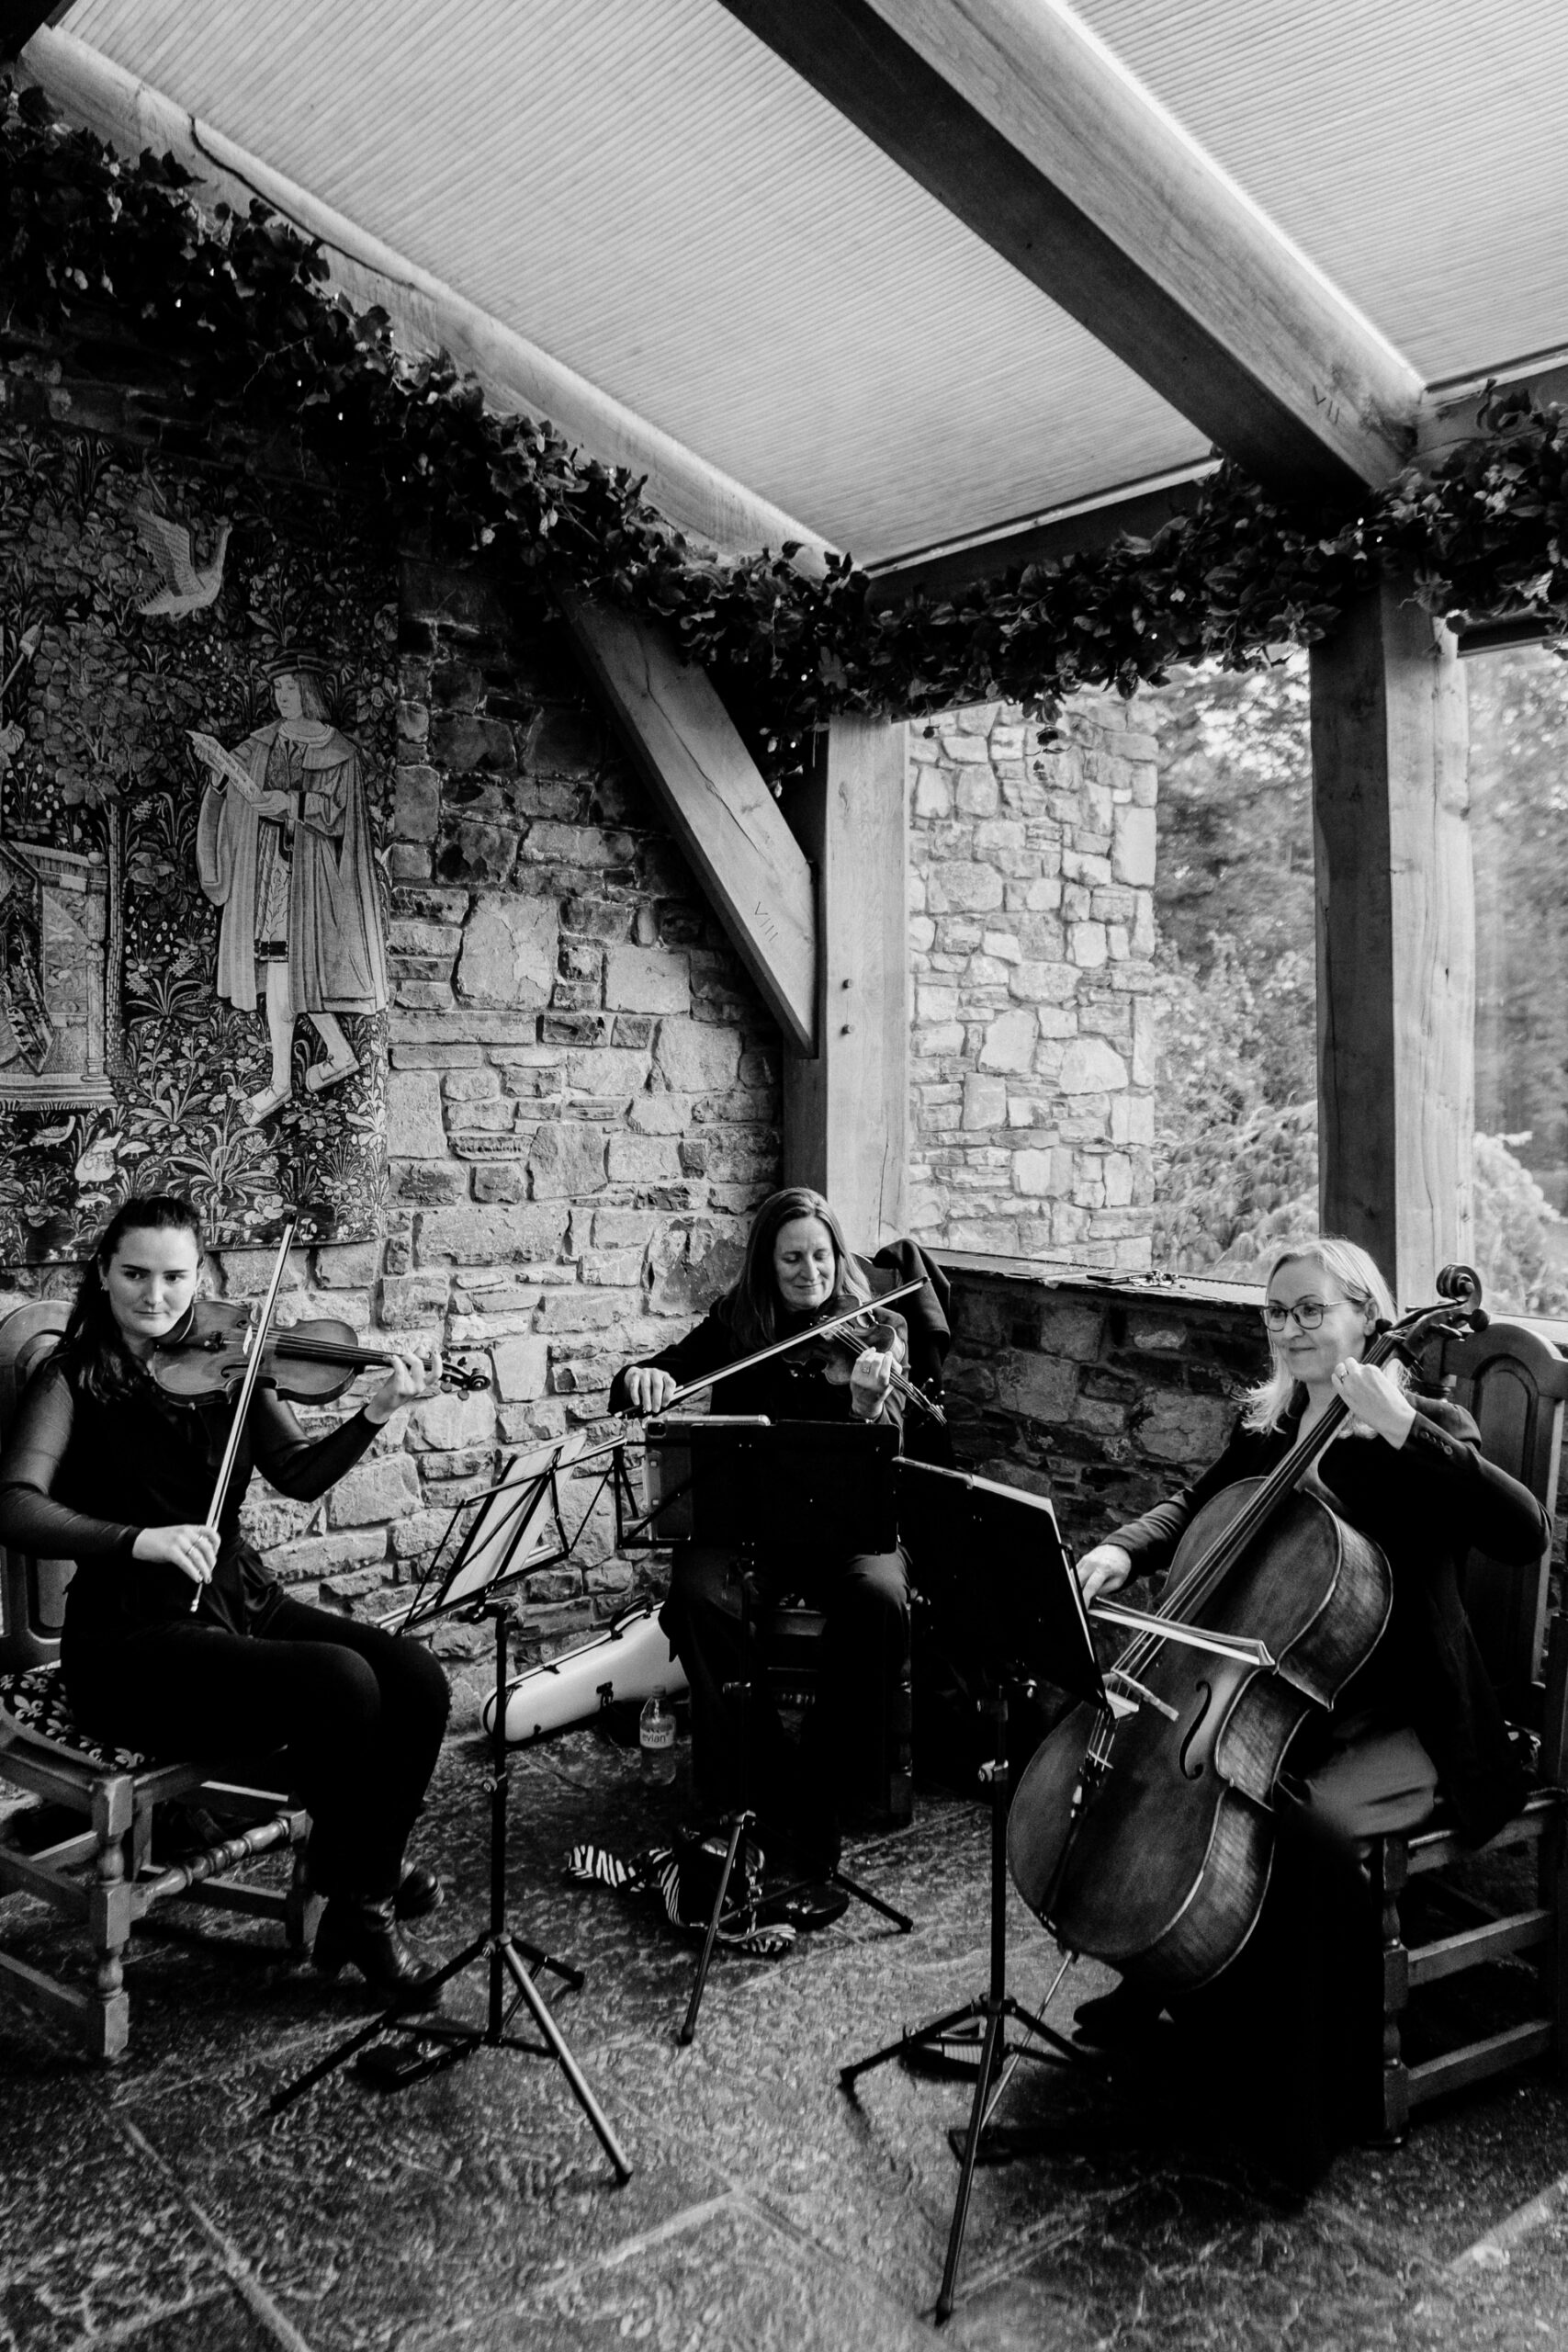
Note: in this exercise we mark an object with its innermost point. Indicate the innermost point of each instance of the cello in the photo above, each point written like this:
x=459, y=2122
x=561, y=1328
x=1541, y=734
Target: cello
x=1142, y=1829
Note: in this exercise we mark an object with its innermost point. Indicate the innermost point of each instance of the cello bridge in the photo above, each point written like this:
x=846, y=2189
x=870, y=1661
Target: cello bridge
x=1131, y=1694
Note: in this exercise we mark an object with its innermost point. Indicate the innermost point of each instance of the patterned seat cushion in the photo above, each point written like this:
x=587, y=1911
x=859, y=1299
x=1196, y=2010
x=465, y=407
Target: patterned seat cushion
x=35, y=1701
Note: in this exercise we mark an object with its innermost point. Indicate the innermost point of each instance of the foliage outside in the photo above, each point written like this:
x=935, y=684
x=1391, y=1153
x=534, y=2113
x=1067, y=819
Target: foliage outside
x=1237, y=1120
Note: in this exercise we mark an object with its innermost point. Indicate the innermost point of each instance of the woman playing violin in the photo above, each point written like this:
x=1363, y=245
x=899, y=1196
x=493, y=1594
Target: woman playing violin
x=1418, y=1717
x=101, y=1467
x=797, y=1269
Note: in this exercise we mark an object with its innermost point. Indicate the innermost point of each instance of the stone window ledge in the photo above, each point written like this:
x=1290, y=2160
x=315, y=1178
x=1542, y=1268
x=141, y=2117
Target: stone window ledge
x=1100, y=1282
x=1197, y=1290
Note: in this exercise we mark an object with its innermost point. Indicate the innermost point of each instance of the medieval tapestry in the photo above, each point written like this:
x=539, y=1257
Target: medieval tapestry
x=197, y=699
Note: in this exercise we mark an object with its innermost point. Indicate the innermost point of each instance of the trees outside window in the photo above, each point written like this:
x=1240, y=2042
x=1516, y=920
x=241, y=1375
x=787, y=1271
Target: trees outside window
x=1236, y=1124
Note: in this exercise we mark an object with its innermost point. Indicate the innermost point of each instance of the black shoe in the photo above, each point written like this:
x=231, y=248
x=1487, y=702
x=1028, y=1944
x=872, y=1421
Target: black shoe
x=420, y=1891
x=805, y=1908
x=795, y=1853
x=361, y=1932
x=1120, y=2019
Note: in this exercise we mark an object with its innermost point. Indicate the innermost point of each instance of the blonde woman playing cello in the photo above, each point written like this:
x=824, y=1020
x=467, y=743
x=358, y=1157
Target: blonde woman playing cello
x=1418, y=1718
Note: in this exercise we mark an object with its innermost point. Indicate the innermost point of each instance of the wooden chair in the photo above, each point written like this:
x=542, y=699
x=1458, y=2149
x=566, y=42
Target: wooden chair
x=103, y=1876
x=1513, y=1383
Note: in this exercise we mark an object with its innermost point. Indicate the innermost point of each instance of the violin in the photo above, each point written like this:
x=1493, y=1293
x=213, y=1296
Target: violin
x=837, y=1351
x=209, y=1352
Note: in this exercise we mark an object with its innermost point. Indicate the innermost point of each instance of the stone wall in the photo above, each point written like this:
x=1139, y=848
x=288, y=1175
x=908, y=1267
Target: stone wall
x=585, y=1089
x=1105, y=1397
x=583, y=1110
x=1031, y=936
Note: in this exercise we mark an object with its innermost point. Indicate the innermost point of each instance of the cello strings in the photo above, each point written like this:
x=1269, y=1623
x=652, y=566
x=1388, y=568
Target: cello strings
x=1204, y=1577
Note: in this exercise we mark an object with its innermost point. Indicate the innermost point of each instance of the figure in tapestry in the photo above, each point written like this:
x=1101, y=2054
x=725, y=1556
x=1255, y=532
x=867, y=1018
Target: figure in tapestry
x=194, y=963
x=284, y=847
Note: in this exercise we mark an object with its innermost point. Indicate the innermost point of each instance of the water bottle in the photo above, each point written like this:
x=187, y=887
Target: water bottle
x=656, y=1738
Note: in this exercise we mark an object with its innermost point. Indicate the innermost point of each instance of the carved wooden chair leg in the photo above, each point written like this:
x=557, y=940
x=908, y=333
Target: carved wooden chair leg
x=110, y=1901
x=1553, y=1898
x=303, y=1907
x=1389, y=1872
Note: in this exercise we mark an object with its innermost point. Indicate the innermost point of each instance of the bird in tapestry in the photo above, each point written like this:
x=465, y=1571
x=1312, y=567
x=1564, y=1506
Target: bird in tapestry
x=188, y=588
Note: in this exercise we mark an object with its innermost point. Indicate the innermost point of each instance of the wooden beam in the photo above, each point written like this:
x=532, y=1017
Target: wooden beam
x=1086, y=527
x=427, y=315
x=847, y=1112
x=1018, y=120
x=686, y=749
x=1395, y=938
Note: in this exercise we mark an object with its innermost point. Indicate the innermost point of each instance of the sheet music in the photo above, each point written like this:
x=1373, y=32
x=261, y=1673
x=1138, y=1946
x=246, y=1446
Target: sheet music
x=488, y=1552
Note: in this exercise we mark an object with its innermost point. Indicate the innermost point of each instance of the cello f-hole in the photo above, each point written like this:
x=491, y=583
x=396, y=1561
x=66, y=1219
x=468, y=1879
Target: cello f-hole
x=1190, y=1769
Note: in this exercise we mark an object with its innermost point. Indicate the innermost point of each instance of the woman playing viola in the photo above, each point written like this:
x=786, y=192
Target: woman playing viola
x=797, y=1269
x=102, y=1468
x=1419, y=1717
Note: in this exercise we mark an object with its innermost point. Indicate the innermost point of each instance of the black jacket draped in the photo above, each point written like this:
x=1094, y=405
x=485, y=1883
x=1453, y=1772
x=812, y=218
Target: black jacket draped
x=1424, y=1504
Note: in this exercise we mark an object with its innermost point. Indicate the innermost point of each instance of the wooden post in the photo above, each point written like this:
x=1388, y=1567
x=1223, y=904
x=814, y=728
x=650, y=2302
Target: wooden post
x=1395, y=938
x=847, y=1112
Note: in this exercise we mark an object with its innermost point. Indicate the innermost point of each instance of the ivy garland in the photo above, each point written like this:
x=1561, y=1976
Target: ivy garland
x=233, y=316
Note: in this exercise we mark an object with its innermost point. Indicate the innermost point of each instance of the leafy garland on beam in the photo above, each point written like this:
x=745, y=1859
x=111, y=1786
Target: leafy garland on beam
x=239, y=332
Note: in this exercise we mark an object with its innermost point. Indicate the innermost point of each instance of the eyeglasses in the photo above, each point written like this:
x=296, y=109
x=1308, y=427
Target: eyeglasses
x=1309, y=1314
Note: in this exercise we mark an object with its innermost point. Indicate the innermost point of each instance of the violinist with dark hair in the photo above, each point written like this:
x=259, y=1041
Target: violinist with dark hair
x=177, y=1641
x=797, y=1269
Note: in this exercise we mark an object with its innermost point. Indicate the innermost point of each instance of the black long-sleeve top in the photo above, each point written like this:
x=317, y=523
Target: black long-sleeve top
x=80, y=1478
x=785, y=1389
x=1425, y=1503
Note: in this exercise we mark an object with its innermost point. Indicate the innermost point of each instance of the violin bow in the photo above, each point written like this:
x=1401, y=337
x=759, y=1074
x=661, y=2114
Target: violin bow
x=697, y=1387
x=247, y=1390
x=796, y=1339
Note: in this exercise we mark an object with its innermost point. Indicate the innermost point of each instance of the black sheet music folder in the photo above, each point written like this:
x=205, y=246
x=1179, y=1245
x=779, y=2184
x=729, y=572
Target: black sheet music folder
x=733, y=1480
x=990, y=1556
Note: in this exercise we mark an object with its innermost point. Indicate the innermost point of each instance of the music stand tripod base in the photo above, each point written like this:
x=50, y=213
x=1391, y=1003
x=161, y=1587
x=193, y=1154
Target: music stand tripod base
x=815, y=1485
x=512, y=1963
x=986, y=2017
x=741, y=1825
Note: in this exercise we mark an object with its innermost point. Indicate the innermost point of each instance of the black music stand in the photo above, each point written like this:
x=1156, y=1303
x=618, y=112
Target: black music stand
x=1000, y=1552
x=815, y=1485
x=517, y=1528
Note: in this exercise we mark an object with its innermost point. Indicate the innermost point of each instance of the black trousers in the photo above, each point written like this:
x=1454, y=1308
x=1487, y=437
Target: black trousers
x=1290, y=2033
x=865, y=1598
x=359, y=1714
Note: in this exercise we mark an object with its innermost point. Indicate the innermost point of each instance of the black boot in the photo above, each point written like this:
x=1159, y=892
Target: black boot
x=1124, y=2018
x=420, y=1891
x=361, y=1932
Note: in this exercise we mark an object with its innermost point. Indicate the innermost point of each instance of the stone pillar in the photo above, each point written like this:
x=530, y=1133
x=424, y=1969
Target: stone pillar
x=1032, y=939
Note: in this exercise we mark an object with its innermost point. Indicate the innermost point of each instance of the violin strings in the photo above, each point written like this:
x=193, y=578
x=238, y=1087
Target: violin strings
x=903, y=1386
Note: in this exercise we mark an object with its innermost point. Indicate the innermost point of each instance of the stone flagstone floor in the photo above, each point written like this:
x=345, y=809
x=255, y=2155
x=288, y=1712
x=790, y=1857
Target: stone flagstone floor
x=157, y=2207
